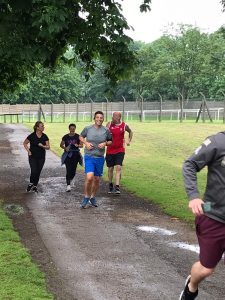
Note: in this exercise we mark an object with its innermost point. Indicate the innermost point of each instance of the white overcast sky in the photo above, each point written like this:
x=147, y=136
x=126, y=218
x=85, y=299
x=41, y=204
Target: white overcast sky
x=205, y=14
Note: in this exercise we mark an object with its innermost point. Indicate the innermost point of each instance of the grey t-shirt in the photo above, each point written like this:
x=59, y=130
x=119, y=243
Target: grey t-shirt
x=96, y=136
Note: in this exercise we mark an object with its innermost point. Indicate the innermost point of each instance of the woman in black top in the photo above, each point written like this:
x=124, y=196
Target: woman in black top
x=39, y=142
x=71, y=156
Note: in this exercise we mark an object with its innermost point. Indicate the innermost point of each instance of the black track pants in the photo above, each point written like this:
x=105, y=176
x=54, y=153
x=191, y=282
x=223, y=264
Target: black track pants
x=71, y=167
x=36, y=165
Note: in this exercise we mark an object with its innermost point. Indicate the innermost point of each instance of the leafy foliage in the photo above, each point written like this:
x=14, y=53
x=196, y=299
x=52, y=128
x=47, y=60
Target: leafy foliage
x=181, y=64
x=40, y=31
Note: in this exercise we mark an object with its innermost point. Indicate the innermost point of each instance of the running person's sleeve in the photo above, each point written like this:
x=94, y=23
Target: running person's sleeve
x=46, y=137
x=202, y=157
x=64, y=138
x=84, y=132
x=29, y=137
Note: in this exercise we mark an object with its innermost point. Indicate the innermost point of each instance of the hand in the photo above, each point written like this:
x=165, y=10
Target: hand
x=196, y=206
x=41, y=145
x=67, y=149
x=128, y=143
x=29, y=152
x=102, y=145
x=89, y=146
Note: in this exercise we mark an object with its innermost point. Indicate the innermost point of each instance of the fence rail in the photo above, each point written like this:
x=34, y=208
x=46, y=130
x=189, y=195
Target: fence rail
x=139, y=110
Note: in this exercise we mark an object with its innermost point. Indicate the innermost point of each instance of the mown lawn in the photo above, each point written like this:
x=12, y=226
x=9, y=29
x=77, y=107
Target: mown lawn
x=153, y=162
x=20, y=278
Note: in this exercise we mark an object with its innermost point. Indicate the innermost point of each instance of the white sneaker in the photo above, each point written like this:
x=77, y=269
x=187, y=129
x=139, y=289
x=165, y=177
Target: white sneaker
x=68, y=188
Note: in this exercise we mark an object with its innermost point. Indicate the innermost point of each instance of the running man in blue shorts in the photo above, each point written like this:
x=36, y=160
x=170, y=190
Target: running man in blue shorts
x=95, y=138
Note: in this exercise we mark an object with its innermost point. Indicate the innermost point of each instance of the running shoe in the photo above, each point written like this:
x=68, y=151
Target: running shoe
x=68, y=188
x=84, y=203
x=110, y=188
x=29, y=187
x=93, y=202
x=186, y=294
x=34, y=189
x=117, y=190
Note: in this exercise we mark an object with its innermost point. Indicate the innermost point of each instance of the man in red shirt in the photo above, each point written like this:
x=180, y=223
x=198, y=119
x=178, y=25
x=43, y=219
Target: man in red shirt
x=116, y=151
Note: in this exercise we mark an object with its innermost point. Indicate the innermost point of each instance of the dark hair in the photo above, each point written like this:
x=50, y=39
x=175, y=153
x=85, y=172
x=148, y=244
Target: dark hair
x=98, y=112
x=72, y=125
x=36, y=125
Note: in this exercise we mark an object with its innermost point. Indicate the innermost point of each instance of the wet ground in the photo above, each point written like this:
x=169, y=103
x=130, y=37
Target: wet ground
x=124, y=249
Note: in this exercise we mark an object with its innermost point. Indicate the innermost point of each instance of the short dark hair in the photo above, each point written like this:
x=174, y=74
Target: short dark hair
x=98, y=112
x=72, y=125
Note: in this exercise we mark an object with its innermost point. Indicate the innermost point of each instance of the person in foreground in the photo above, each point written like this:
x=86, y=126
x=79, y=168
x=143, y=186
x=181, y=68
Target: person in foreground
x=95, y=138
x=115, y=152
x=70, y=144
x=209, y=212
x=39, y=142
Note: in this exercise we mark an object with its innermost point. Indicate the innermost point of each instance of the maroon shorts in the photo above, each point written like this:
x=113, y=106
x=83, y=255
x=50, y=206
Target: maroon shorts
x=211, y=238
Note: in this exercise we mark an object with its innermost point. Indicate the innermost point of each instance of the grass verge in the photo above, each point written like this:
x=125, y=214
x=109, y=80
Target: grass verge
x=20, y=277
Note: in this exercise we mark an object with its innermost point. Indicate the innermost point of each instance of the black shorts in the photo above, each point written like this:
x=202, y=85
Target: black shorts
x=114, y=159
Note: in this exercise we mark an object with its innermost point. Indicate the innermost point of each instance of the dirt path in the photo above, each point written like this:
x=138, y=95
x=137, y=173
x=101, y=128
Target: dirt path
x=97, y=253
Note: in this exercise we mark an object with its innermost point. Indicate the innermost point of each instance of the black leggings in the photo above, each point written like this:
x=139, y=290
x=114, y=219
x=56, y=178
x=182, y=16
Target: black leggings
x=36, y=165
x=71, y=167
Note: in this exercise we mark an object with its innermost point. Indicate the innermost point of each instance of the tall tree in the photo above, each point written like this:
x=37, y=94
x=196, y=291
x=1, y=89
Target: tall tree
x=39, y=31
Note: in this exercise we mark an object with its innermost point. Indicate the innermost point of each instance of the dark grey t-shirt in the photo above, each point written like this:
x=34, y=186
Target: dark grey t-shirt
x=211, y=154
x=96, y=136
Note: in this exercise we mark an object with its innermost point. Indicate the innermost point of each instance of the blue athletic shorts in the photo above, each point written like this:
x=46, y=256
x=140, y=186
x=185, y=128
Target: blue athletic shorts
x=94, y=165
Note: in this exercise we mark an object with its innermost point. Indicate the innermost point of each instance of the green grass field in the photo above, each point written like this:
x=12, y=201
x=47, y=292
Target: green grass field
x=20, y=277
x=153, y=163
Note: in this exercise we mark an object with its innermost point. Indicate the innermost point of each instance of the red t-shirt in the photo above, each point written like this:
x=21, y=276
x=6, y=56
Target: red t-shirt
x=117, y=131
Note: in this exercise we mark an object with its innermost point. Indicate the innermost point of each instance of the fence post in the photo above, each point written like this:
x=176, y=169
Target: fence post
x=77, y=112
x=181, y=106
x=204, y=106
x=64, y=111
x=124, y=101
x=29, y=113
x=91, y=108
x=223, y=107
x=40, y=112
x=51, y=111
x=141, y=116
x=160, y=108
x=106, y=109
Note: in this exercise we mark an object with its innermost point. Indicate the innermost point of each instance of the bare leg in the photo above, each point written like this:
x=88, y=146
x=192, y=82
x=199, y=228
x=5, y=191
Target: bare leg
x=88, y=184
x=118, y=174
x=95, y=186
x=198, y=273
x=110, y=174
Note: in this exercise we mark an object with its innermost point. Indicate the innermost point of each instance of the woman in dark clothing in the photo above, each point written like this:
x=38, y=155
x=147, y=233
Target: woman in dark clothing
x=39, y=143
x=71, y=156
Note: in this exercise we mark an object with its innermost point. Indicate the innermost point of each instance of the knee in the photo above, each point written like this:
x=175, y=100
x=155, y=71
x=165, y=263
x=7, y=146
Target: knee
x=97, y=179
x=207, y=272
x=89, y=179
x=118, y=168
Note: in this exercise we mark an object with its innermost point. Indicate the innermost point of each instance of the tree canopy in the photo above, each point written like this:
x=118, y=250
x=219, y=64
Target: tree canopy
x=176, y=65
x=40, y=31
